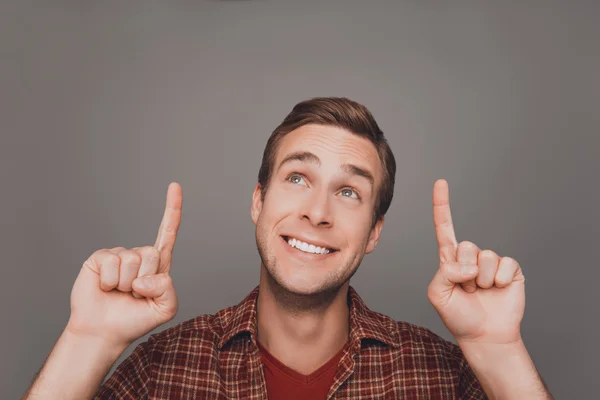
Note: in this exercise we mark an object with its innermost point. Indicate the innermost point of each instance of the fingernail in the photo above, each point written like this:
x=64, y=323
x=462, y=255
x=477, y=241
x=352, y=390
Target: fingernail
x=470, y=288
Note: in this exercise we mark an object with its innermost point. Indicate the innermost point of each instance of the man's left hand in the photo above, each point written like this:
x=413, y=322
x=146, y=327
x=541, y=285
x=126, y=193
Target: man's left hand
x=479, y=295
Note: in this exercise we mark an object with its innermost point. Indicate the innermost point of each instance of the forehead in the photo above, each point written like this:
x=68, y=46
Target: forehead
x=333, y=145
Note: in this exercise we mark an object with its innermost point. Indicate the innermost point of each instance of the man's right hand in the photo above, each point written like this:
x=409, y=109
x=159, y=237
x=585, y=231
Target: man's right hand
x=121, y=294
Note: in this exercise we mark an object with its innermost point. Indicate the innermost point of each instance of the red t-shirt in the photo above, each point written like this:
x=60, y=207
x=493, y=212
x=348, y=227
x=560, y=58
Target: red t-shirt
x=285, y=383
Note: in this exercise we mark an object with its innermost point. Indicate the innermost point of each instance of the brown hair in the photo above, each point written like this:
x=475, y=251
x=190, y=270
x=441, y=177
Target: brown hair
x=343, y=113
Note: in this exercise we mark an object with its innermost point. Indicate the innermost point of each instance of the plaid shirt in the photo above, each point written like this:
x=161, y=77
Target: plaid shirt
x=217, y=357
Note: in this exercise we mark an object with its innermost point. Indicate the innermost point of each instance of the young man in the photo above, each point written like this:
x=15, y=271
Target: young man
x=324, y=186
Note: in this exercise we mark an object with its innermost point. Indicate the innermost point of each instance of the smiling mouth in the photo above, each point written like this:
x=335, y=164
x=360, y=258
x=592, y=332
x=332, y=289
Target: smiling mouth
x=307, y=247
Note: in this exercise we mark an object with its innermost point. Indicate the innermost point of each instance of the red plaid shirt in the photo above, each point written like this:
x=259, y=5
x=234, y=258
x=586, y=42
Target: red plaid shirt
x=217, y=357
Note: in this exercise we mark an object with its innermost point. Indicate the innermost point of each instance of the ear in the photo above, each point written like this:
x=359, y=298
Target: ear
x=374, y=236
x=256, y=206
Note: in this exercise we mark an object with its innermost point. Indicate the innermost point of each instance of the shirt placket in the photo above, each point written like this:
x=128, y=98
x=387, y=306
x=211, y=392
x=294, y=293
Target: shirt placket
x=257, y=384
x=344, y=371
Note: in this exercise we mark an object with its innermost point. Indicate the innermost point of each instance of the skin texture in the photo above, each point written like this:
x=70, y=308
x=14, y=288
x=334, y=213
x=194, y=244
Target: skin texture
x=479, y=295
x=304, y=295
x=320, y=202
x=133, y=309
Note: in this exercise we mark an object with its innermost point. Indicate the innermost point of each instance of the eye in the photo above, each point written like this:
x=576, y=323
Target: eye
x=347, y=192
x=296, y=178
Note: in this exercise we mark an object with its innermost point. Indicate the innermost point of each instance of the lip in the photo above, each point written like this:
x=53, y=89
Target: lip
x=308, y=240
x=301, y=254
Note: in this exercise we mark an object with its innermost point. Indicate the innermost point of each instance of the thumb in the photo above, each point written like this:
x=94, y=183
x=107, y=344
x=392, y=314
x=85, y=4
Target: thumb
x=160, y=288
x=448, y=275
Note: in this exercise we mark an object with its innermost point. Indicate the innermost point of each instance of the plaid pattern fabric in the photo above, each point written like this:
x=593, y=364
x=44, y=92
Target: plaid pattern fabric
x=217, y=357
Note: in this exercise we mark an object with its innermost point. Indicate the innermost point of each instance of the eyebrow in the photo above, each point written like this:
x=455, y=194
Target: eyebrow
x=304, y=156
x=308, y=157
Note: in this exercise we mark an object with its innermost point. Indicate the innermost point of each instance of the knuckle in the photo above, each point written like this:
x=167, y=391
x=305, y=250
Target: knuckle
x=99, y=253
x=510, y=261
x=92, y=262
x=488, y=254
x=131, y=257
x=111, y=259
x=468, y=244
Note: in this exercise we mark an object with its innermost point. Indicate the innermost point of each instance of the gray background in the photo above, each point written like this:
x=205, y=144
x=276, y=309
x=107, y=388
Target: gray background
x=102, y=104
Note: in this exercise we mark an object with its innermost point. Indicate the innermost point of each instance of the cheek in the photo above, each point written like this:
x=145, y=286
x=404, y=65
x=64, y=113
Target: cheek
x=356, y=227
x=278, y=204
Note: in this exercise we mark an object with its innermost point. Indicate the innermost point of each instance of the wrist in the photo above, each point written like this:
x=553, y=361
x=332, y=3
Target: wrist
x=505, y=369
x=75, y=367
x=490, y=344
x=94, y=344
x=94, y=341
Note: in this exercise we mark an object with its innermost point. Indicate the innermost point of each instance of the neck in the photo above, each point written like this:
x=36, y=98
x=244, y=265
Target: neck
x=301, y=331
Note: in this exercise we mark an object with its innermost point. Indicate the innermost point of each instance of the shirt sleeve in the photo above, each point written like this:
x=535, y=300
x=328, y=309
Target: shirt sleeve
x=130, y=379
x=469, y=387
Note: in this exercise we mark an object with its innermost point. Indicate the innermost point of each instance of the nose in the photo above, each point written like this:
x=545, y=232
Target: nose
x=316, y=210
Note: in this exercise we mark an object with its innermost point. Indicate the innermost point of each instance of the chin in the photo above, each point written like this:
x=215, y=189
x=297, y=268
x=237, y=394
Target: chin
x=291, y=273
x=301, y=288
x=301, y=284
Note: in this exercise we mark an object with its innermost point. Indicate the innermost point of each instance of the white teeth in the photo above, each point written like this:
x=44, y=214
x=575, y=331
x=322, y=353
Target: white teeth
x=308, y=248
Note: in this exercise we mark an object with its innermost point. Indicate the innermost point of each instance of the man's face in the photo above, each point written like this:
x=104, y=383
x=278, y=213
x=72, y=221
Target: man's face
x=314, y=226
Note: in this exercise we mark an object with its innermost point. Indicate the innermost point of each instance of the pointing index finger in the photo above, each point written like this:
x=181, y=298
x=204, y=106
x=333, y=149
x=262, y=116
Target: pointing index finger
x=442, y=219
x=167, y=233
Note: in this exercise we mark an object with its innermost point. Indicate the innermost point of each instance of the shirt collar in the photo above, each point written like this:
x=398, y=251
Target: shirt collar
x=364, y=323
x=241, y=319
x=367, y=324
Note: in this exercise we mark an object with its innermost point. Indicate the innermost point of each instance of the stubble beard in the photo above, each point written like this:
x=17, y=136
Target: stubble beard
x=293, y=301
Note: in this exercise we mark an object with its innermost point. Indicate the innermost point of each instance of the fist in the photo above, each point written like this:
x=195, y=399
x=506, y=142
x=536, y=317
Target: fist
x=121, y=294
